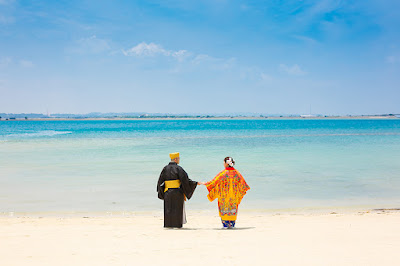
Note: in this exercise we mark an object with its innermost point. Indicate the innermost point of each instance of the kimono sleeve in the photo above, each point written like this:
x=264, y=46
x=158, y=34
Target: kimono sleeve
x=188, y=186
x=161, y=185
x=212, y=187
x=242, y=186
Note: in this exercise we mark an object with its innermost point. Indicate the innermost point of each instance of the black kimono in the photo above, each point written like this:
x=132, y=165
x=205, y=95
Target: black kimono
x=174, y=197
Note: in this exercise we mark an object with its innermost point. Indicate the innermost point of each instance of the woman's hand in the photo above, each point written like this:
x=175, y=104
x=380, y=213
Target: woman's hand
x=200, y=183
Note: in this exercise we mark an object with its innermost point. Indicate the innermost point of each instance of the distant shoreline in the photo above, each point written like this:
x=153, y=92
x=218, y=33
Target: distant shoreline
x=204, y=118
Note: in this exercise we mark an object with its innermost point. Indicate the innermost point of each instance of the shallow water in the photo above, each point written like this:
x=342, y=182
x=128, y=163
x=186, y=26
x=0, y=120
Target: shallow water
x=90, y=166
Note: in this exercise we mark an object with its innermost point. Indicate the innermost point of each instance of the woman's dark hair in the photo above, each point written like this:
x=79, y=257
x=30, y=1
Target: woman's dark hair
x=229, y=158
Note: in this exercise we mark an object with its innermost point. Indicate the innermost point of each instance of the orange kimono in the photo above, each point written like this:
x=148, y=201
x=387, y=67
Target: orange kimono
x=229, y=187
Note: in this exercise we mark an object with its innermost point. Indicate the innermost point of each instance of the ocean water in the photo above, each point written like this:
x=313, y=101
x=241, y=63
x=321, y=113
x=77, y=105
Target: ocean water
x=113, y=166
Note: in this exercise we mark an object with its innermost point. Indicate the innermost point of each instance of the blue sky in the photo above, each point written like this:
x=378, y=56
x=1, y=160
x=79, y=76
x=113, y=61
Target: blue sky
x=340, y=57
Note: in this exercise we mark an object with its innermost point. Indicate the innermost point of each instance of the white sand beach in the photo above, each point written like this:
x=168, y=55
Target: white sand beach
x=355, y=238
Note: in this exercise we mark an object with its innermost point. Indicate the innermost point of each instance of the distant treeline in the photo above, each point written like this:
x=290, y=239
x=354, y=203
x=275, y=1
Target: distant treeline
x=90, y=115
x=5, y=116
x=117, y=115
x=11, y=116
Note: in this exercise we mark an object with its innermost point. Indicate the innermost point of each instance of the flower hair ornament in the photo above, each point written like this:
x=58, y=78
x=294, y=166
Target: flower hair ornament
x=230, y=162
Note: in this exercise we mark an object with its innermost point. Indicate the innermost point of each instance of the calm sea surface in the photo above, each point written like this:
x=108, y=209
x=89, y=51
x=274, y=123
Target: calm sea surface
x=101, y=166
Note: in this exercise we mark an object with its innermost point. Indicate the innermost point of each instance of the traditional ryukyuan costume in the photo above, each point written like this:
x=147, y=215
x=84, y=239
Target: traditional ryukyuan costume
x=174, y=186
x=229, y=187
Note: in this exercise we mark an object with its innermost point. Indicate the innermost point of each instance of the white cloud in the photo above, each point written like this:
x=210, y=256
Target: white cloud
x=214, y=62
x=294, y=70
x=188, y=61
x=201, y=58
x=144, y=49
x=26, y=63
x=305, y=39
x=254, y=74
x=228, y=63
x=90, y=45
x=181, y=54
x=265, y=77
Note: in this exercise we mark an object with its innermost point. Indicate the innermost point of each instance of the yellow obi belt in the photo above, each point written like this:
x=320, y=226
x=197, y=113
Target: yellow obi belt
x=173, y=184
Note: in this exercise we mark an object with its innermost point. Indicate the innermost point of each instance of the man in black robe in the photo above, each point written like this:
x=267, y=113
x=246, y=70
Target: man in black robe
x=174, y=186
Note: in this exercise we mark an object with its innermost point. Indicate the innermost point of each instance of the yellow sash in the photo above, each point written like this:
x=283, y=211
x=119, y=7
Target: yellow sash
x=172, y=184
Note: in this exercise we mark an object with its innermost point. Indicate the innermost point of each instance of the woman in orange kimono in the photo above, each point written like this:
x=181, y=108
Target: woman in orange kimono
x=229, y=187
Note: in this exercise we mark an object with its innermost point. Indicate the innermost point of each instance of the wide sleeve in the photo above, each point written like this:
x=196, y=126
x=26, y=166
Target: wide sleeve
x=161, y=185
x=242, y=187
x=187, y=185
x=212, y=186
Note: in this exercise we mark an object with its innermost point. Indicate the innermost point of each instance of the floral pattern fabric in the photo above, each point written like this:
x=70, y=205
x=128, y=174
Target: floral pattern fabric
x=228, y=224
x=229, y=187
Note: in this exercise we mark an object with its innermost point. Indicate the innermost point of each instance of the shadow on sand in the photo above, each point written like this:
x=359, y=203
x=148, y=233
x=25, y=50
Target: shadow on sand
x=225, y=229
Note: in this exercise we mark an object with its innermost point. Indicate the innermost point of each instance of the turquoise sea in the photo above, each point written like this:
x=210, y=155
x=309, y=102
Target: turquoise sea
x=113, y=166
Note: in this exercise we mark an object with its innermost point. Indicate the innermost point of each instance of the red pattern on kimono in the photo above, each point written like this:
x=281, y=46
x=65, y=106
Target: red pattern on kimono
x=229, y=187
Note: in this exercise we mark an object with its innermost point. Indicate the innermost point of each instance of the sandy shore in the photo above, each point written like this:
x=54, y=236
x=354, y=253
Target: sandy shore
x=358, y=238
